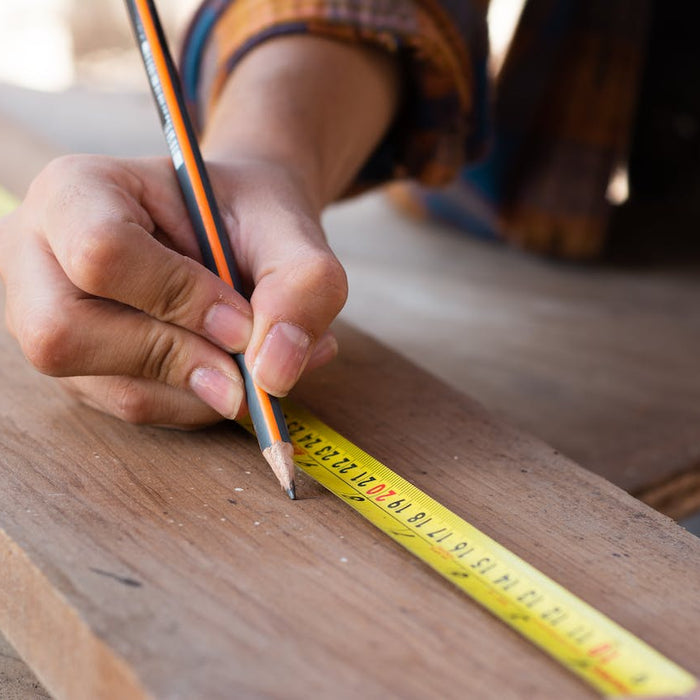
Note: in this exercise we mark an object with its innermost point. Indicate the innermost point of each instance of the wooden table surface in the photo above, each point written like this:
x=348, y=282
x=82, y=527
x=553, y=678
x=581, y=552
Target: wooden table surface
x=141, y=562
x=601, y=361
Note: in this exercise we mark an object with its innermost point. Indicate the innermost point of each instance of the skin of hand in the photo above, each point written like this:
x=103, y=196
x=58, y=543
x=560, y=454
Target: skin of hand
x=103, y=277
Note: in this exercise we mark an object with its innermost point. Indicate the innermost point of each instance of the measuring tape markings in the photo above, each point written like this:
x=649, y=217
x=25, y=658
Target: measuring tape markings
x=578, y=636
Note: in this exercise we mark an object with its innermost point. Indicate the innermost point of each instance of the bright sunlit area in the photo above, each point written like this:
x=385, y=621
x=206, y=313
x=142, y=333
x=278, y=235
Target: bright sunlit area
x=50, y=45
x=77, y=60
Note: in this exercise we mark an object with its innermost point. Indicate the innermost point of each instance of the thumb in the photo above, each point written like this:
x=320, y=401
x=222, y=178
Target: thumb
x=300, y=287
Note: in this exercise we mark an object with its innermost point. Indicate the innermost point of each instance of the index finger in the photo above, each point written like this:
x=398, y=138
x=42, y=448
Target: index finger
x=104, y=239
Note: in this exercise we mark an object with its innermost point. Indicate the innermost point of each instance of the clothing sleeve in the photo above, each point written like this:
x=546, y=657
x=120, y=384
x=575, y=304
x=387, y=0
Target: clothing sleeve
x=441, y=46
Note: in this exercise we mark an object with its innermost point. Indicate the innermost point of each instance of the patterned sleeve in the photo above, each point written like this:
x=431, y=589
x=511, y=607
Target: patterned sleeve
x=441, y=44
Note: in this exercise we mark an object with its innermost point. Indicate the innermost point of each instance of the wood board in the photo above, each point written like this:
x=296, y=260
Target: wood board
x=601, y=361
x=140, y=562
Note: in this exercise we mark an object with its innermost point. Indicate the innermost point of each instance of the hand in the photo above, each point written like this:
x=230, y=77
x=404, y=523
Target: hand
x=104, y=287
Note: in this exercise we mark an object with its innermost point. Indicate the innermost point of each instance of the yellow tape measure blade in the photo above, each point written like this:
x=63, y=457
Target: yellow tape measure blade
x=582, y=639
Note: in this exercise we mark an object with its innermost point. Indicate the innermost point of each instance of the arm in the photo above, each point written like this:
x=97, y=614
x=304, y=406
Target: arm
x=319, y=107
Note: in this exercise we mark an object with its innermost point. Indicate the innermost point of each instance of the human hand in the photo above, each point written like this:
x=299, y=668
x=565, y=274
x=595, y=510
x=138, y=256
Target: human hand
x=104, y=287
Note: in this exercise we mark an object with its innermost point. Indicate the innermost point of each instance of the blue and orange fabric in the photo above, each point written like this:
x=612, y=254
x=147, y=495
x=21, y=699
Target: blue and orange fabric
x=526, y=157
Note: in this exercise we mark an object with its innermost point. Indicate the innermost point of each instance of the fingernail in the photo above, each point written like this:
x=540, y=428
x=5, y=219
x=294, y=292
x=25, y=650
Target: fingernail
x=281, y=358
x=324, y=351
x=228, y=326
x=221, y=391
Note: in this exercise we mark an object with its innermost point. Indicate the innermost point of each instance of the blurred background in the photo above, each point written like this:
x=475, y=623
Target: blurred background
x=53, y=44
x=70, y=71
x=77, y=61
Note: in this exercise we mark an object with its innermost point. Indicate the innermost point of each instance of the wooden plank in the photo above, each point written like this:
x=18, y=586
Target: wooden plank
x=601, y=360
x=23, y=156
x=140, y=562
x=17, y=682
x=678, y=497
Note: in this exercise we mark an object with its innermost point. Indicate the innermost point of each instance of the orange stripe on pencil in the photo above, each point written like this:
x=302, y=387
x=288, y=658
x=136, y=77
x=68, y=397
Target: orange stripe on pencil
x=265, y=410
x=184, y=142
x=266, y=406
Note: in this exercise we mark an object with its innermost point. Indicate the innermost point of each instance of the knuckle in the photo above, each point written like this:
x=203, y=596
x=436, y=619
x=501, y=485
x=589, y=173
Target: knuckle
x=60, y=181
x=322, y=276
x=93, y=257
x=160, y=359
x=46, y=341
x=130, y=402
x=60, y=168
x=174, y=299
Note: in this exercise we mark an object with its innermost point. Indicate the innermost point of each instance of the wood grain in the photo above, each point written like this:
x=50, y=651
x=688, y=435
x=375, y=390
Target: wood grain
x=678, y=497
x=139, y=562
x=600, y=361
x=17, y=682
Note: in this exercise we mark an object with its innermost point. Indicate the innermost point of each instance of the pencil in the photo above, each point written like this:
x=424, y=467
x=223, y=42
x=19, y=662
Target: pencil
x=265, y=410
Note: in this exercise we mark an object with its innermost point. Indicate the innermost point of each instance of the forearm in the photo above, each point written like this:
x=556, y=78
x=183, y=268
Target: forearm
x=315, y=106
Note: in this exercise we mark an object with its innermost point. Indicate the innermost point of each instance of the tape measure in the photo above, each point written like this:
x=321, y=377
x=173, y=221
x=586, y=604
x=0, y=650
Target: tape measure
x=585, y=641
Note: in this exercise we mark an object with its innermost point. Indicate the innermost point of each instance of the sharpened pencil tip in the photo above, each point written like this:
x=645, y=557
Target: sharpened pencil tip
x=280, y=456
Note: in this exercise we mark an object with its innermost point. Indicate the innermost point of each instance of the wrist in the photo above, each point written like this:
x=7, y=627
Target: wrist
x=315, y=107
x=285, y=164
